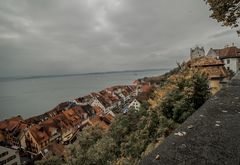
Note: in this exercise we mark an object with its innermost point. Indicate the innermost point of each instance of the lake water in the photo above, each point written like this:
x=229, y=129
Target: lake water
x=32, y=96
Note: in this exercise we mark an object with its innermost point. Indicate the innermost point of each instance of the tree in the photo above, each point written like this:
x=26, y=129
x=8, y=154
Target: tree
x=225, y=11
x=102, y=153
x=187, y=97
x=201, y=90
x=50, y=160
x=78, y=152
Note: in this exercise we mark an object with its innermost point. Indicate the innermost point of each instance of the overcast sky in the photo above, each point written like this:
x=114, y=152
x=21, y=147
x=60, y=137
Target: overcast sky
x=44, y=37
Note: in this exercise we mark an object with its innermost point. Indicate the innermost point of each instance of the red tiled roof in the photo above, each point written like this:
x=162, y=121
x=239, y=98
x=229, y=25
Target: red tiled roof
x=50, y=125
x=108, y=97
x=205, y=61
x=228, y=52
x=215, y=72
x=72, y=116
x=109, y=117
x=98, y=110
x=145, y=87
x=11, y=124
x=97, y=121
x=62, y=121
x=39, y=133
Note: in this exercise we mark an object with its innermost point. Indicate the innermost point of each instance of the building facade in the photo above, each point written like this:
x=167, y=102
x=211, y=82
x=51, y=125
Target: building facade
x=230, y=55
x=9, y=156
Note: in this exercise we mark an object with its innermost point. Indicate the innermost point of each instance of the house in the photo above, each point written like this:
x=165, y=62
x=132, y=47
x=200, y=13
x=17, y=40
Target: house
x=52, y=129
x=9, y=156
x=145, y=88
x=55, y=111
x=230, y=55
x=13, y=131
x=197, y=52
x=83, y=112
x=88, y=99
x=37, y=119
x=66, y=129
x=60, y=108
x=111, y=98
x=37, y=139
x=19, y=138
x=88, y=109
x=73, y=118
x=213, y=68
x=135, y=104
x=101, y=119
x=101, y=102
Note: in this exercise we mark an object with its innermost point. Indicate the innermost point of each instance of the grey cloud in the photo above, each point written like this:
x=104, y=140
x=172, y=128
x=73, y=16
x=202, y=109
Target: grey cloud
x=59, y=36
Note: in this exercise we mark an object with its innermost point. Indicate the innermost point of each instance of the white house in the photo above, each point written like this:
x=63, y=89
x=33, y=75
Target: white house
x=135, y=104
x=229, y=55
x=197, y=52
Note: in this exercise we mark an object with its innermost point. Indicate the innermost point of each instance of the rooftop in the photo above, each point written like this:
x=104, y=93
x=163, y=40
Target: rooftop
x=10, y=124
x=205, y=61
x=39, y=133
x=228, y=52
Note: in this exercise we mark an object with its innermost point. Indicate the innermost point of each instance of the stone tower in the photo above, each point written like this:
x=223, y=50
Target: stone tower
x=197, y=52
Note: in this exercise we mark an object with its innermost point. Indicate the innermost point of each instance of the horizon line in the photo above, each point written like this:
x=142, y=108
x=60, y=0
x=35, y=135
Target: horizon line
x=79, y=74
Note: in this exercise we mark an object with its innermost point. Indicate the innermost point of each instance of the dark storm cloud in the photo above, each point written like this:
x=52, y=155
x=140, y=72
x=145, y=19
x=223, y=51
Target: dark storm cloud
x=59, y=36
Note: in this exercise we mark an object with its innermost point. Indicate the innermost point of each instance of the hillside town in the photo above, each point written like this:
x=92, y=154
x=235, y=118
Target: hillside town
x=47, y=134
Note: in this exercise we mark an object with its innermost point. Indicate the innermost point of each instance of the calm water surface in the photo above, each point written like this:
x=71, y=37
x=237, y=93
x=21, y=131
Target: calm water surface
x=29, y=97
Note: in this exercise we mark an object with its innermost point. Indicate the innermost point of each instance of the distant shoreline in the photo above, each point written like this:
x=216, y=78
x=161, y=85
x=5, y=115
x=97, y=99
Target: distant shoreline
x=78, y=74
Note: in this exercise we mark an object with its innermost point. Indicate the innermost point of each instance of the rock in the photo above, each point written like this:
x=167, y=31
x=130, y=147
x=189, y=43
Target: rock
x=224, y=111
x=190, y=127
x=180, y=133
x=157, y=157
x=217, y=125
x=218, y=122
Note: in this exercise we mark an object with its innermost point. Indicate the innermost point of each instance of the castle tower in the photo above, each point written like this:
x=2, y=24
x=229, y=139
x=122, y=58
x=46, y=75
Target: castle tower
x=197, y=52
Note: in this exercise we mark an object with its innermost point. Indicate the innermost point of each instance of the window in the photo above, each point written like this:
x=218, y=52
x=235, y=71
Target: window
x=228, y=61
x=228, y=68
